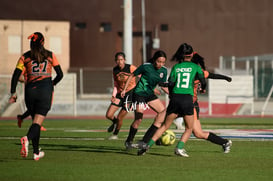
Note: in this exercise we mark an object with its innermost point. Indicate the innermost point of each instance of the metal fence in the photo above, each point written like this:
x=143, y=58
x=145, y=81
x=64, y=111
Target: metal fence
x=261, y=67
x=93, y=80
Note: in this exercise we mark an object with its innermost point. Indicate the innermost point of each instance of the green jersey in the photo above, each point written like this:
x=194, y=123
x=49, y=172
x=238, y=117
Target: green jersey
x=150, y=77
x=183, y=75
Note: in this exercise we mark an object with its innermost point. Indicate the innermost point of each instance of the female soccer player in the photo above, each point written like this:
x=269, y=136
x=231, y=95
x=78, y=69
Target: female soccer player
x=121, y=72
x=38, y=63
x=197, y=128
x=151, y=73
x=180, y=85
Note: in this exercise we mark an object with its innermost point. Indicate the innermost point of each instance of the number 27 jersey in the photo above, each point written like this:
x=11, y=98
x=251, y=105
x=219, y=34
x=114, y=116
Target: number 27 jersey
x=37, y=71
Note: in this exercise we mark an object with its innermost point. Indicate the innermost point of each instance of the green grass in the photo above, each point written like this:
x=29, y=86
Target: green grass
x=80, y=156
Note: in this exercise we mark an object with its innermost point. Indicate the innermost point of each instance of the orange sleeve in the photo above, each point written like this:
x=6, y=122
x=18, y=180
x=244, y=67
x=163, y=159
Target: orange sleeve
x=54, y=60
x=206, y=74
x=132, y=68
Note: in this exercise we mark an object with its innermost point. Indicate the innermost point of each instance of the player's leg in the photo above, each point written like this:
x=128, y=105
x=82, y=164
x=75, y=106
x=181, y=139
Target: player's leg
x=179, y=150
x=110, y=115
x=197, y=128
x=166, y=125
x=42, y=104
x=201, y=134
x=120, y=117
x=159, y=108
x=134, y=128
x=20, y=118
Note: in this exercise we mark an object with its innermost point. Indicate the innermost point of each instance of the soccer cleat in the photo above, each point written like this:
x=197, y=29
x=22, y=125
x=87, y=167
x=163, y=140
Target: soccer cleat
x=19, y=120
x=111, y=128
x=130, y=145
x=143, y=150
x=36, y=157
x=24, y=143
x=227, y=146
x=113, y=137
x=43, y=128
x=141, y=144
x=181, y=152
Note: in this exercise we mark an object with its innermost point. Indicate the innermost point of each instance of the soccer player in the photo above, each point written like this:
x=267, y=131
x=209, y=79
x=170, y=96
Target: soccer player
x=180, y=83
x=151, y=73
x=121, y=72
x=38, y=63
x=197, y=128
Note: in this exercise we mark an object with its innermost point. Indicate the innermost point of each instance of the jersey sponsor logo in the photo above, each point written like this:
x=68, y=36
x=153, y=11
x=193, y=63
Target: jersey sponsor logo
x=184, y=69
x=161, y=75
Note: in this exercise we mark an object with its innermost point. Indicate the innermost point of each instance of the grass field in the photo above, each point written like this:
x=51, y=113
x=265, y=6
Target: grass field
x=79, y=150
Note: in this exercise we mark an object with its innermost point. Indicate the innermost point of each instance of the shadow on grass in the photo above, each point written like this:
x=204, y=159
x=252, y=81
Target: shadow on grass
x=85, y=148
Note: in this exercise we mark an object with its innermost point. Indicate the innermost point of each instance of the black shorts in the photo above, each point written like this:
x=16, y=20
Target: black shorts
x=137, y=99
x=124, y=102
x=196, y=107
x=181, y=104
x=38, y=97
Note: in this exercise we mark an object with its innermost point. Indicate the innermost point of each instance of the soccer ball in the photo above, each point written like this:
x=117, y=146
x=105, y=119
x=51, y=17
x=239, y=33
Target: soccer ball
x=167, y=138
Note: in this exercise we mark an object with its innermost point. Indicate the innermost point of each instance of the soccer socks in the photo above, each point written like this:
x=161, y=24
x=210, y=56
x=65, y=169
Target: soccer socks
x=180, y=145
x=132, y=134
x=116, y=132
x=151, y=142
x=149, y=133
x=114, y=120
x=216, y=139
x=34, y=135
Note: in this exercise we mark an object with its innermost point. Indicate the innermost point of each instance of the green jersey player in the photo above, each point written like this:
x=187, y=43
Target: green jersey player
x=151, y=73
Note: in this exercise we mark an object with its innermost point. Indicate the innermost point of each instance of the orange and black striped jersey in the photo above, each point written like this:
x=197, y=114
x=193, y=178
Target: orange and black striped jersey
x=34, y=70
x=120, y=77
x=196, y=85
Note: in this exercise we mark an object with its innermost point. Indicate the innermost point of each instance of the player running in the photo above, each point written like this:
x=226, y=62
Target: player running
x=197, y=128
x=38, y=63
x=121, y=72
x=151, y=73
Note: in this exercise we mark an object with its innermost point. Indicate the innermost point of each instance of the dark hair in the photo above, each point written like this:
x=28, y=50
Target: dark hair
x=38, y=52
x=184, y=49
x=157, y=54
x=199, y=60
x=119, y=54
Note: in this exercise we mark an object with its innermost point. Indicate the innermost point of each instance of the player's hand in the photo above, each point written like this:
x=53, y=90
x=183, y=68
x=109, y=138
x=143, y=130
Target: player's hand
x=113, y=99
x=13, y=98
x=122, y=94
x=229, y=79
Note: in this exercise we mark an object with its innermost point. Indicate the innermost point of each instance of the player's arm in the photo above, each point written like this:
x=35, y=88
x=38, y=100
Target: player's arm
x=14, y=80
x=219, y=76
x=203, y=84
x=126, y=85
x=59, y=75
x=201, y=78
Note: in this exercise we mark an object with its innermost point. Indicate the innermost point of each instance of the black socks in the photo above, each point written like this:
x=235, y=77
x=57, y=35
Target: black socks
x=216, y=139
x=132, y=134
x=149, y=133
x=34, y=135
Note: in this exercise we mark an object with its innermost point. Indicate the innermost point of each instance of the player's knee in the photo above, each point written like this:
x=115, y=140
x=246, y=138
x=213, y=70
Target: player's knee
x=162, y=111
